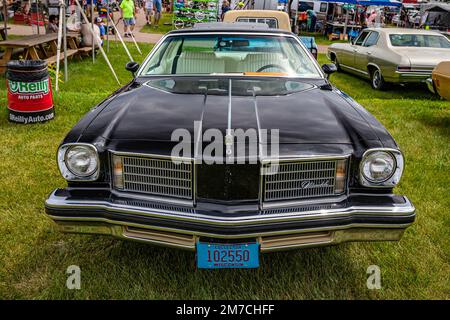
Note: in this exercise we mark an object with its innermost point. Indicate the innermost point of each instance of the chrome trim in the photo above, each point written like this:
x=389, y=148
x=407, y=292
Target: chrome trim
x=388, y=183
x=413, y=73
x=354, y=69
x=149, y=155
x=306, y=158
x=286, y=184
x=55, y=202
x=351, y=232
x=430, y=85
x=161, y=41
x=306, y=200
x=62, y=163
x=172, y=191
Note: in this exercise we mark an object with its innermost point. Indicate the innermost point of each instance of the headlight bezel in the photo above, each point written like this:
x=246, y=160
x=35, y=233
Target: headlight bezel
x=394, y=177
x=67, y=173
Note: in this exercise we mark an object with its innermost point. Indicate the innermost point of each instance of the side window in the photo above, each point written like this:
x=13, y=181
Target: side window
x=361, y=38
x=271, y=22
x=323, y=7
x=372, y=39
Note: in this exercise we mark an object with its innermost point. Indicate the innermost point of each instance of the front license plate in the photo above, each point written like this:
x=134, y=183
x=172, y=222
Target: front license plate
x=227, y=255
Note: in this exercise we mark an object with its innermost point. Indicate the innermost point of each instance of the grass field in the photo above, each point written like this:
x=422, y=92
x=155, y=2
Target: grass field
x=165, y=25
x=34, y=256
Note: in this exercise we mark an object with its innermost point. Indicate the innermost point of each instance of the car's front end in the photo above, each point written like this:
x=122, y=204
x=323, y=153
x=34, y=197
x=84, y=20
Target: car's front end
x=262, y=158
x=329, y=181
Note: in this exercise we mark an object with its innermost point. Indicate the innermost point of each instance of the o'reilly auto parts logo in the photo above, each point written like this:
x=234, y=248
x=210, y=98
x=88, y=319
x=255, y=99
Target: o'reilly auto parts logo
x=29, y=87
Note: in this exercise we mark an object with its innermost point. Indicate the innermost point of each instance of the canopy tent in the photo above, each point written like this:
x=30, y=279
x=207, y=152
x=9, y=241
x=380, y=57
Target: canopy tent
x=384, y=3
x=438, y=16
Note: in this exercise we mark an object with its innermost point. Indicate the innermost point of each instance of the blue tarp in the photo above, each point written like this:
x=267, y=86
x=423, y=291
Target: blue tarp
x=384, y=3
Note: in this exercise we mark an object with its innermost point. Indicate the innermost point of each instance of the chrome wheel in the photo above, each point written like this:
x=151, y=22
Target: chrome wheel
x=377, y=80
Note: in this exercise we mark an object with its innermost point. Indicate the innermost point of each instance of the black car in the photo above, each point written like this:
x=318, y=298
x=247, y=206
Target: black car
x=231, y=141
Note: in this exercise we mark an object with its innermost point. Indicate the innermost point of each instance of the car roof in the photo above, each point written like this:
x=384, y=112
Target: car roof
x=403, y=31
x=281, y=16
x=244, y=27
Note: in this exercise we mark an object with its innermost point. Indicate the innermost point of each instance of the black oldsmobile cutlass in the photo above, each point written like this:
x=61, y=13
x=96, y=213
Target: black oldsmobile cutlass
x=159, y=161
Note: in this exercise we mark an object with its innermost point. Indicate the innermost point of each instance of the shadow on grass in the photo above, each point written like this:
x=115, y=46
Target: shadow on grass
x=122, y=270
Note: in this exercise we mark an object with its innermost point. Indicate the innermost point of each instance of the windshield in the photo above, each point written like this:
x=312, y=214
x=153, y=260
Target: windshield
x=419, y=40
x=252, y=55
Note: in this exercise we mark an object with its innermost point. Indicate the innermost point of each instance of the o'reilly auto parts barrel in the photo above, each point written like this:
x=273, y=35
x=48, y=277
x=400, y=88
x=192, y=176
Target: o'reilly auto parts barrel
x=29, y=91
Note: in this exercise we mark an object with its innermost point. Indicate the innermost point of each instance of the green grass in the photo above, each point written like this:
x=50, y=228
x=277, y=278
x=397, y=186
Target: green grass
x=165, y=25
x=34, y=255
x=320, y=39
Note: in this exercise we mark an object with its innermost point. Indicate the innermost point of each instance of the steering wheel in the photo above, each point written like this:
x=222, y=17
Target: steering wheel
x=272, y=66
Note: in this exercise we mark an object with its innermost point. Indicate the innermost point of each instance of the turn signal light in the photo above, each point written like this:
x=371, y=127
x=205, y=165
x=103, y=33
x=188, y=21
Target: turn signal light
x=117, y=172
x=341, y=173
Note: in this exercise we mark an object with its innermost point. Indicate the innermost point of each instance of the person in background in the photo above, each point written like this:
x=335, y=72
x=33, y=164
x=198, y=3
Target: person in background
x=101, y=26
x=157, y=5
x=89, y=7
x=86, y=35
x=52, y=26
x=225, y=8
x=148, y=9
x=127, y=13
x=371, y=18
x=363, y=18
x=311, y=21
x=73, y=23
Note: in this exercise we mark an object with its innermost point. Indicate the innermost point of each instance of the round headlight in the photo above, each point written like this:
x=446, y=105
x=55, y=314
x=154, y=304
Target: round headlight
x=378, y=166
x=81, y=160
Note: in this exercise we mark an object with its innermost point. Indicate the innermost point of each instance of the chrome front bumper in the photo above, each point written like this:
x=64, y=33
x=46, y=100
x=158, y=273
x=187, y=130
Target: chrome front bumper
x=430, y=85
x=357, y=218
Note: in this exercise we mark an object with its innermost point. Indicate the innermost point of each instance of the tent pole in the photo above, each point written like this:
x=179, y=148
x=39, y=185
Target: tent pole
x=92, y=26
x=107, y=26
x=37, y=16
x=5, y=18
x=121, y=40
x=58, y=47
x=98, y=41
x=65, y=39
x=135, y=43
x=345, y=22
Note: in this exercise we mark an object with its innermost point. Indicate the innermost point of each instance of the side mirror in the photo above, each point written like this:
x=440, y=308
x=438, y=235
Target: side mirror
x=132, y=66
x=329, y=68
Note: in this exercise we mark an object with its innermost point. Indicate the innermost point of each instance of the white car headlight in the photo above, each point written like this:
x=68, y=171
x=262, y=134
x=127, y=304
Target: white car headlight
x=381, y=168
x=78, y=162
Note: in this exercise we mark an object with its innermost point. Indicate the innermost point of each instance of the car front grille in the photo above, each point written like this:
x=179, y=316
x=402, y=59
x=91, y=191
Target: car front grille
x=286, y=181
x=157, y=176
x=300, y=180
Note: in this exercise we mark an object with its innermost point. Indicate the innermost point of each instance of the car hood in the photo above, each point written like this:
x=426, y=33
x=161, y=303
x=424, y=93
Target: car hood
x=424, y=56
x=301, y=111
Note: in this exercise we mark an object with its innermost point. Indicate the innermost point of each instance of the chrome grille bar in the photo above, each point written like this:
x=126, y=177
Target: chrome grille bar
x=157, y=176
x=299, y=179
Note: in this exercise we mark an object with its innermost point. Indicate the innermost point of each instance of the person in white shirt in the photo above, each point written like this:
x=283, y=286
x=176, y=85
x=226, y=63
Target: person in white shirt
x=148, y=11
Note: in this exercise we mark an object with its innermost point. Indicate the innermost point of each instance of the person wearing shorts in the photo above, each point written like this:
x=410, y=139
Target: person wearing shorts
x=127, y=11
x=157, y=7
x=148, y=11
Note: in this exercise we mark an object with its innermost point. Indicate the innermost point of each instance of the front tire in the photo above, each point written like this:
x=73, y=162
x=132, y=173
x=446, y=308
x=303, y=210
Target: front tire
x=376, y=80
x=336, y=63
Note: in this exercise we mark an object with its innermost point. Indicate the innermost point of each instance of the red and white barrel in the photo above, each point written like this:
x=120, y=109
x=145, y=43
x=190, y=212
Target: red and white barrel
x=30, y=97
